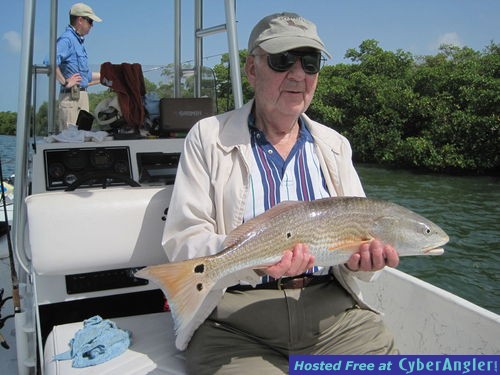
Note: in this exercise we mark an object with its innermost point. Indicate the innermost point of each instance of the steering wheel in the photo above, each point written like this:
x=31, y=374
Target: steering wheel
x=102, y=176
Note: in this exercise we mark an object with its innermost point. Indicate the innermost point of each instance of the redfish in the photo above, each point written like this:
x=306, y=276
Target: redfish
x=333, y=228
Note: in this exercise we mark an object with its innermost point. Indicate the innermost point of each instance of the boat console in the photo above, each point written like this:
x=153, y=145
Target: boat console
x=95, y=217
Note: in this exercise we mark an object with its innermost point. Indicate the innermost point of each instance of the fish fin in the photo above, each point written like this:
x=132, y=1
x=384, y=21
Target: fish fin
x=247, y=275
x=185, y=285
x=249, y=228
x=185, y=333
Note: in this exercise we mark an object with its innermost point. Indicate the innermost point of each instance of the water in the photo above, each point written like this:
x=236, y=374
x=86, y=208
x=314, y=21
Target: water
x=467, y=208
x=8, y=154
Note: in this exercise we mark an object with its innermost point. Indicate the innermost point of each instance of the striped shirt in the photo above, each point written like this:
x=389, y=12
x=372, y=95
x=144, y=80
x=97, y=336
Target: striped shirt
x=274, y=180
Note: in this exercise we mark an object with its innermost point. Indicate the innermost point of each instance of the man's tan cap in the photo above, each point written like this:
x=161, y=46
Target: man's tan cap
x=83, y=10
x=282, y=32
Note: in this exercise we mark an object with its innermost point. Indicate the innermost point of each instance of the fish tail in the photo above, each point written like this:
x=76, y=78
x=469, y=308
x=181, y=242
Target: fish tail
x=185, y=285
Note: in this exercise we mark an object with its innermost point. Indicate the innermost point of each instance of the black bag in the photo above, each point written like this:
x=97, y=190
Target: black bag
x=85, y=120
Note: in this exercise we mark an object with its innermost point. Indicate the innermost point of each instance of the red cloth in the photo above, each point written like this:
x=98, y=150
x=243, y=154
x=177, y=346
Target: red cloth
x=128, y=82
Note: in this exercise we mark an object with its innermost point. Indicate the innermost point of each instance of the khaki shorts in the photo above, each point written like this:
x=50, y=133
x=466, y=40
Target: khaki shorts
x=254, y=332
x=69, y=108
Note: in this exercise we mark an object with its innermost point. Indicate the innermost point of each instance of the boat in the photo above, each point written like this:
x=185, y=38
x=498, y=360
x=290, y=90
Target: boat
x=78, y=238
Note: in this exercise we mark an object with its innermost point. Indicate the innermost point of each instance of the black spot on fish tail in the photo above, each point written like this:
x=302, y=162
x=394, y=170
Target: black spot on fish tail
x=199, y=287
x=200, y=268
x=288, y=235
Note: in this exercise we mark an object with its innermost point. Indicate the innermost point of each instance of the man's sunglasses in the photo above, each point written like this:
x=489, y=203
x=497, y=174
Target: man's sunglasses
x=89, y=20
x=282, y=62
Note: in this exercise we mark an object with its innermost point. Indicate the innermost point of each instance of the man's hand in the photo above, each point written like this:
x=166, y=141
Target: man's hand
x=294, y=262
x=373, y=256
x=75, y=79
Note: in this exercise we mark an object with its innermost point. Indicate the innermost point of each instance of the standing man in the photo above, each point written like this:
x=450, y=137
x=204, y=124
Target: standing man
x=73, y=72
x=239, y=164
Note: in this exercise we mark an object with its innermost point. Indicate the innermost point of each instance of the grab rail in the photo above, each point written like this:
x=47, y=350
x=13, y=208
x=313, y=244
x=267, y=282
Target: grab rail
x=22, y=130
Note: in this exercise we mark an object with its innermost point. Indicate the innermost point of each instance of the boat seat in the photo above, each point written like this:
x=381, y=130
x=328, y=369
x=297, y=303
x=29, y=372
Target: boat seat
x=94, y=230
x=152, y=349
x=103, y=229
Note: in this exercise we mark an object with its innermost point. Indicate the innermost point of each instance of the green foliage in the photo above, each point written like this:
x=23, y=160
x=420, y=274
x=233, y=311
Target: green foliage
x=225, y=98
x=41, y=120
x=440, y=113
x=165, y=88
x=8, y=123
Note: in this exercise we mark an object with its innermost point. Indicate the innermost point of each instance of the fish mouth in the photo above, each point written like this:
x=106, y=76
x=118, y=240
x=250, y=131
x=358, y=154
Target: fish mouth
x=434, y=251
x=436, y=248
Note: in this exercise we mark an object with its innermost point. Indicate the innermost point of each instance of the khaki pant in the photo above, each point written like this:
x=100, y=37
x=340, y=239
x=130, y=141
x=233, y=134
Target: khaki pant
x=254, y=332
x=69, y=108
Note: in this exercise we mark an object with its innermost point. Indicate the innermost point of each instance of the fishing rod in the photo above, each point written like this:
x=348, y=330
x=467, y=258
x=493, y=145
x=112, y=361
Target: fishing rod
x=3, y=342
x=15, y=282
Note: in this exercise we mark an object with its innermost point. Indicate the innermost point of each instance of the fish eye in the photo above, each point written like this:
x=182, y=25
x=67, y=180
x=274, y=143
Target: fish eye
x=425, y=229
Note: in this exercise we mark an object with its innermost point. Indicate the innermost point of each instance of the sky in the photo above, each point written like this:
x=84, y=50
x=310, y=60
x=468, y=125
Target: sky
x=142, y=31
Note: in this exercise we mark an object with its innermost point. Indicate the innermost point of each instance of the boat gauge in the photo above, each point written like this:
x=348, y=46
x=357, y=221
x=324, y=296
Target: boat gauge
x=56, y=170
x=121, y=166
x=74, y=160
x=101, y=159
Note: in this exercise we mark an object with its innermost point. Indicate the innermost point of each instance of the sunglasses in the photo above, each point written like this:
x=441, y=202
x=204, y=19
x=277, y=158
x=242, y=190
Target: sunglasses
x=89, y=20
x=282, y=62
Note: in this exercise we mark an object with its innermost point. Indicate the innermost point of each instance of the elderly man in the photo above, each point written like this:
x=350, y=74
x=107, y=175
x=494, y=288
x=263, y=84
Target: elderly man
x=73, y=72
x=241, y=163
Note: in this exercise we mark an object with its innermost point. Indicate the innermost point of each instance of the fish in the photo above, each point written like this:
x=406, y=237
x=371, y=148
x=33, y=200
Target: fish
x=333, y=228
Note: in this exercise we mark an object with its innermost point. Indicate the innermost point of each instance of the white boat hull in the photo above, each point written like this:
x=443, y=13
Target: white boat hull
x=428, y=320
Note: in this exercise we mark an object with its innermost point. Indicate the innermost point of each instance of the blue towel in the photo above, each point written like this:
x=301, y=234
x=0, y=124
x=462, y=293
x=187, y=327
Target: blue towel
x=97, y=342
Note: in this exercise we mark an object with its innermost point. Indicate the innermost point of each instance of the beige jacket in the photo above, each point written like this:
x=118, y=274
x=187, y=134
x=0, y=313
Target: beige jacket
x=212, y=183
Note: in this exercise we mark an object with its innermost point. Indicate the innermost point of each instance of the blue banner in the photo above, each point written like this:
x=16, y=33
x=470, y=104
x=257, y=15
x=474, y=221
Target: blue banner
x=394, y=364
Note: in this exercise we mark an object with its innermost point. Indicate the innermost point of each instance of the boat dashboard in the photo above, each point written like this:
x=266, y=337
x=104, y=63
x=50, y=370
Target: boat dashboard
x=71, y=166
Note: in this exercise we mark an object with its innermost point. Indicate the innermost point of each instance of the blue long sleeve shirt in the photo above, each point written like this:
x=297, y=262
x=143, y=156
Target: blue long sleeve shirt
x=71, y=56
